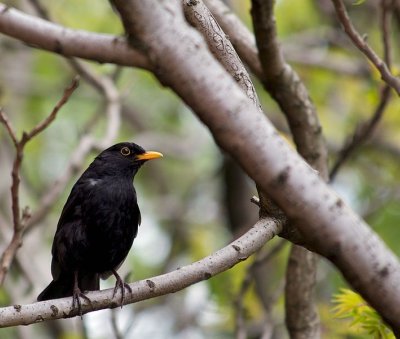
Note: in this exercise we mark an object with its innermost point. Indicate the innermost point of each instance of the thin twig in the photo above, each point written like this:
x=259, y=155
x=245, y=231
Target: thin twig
x=114, y=325
x=261, y=258
x=4, y=120
x=103, y=85
x=361, y=133
x=386, y=9
x=362, y=45
x=365, y=129
x=50, y=118
x=20, y=219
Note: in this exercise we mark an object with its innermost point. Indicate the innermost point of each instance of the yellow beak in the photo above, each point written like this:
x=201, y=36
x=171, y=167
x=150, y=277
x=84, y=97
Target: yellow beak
x=149, y=155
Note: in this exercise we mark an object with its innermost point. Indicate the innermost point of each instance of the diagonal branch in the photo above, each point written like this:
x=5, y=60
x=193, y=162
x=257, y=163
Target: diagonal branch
x=365, y=129
x=361, y=133
x=10, y=129
x=50, y=118
x=105, y=86
x=239, y=128
x=362, y=45
x=103, y=48
x=220, y=261
x=19, y=221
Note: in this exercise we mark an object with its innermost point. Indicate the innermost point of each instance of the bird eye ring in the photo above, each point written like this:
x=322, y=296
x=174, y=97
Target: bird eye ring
x=125, y=151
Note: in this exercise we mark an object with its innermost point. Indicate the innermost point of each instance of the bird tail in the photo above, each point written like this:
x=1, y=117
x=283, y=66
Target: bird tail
x=63, y=286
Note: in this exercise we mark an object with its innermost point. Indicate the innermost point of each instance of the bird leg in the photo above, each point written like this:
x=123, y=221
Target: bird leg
x=122, y=285
x=77, y=294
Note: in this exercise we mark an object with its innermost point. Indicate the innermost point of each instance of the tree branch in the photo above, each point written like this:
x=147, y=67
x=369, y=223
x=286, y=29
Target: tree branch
x=239, y=35
x=286, y=87
x=105, y=86
x=362, y=45
x=364, y=130
x=222, y=260
x=50, y=118
x=301, y=316
x=39, y=33
x=86, y=144
x=239, y=128
x=19, y=221
x=200, y=17
x=261, y=258
x=361, y=133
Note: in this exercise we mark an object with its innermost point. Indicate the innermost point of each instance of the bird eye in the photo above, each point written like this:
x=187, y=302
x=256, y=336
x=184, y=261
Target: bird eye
x=125, y=151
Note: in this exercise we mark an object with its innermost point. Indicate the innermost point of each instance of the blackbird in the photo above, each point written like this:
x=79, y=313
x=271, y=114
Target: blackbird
x=97, y=225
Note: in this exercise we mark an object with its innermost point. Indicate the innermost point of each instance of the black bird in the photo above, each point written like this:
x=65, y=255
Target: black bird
x=97, y=225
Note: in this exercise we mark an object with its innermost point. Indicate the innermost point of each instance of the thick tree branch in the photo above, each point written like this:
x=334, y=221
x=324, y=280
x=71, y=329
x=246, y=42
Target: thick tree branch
x=240, y=129
x=362, y=45
x=103, y=48
x=292, y=96
x=285, y=86
x=222, y=260
x=302, y=320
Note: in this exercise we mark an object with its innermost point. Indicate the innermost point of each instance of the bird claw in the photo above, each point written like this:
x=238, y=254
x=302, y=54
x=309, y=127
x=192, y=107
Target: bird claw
x=76, y=301
x=120, y=284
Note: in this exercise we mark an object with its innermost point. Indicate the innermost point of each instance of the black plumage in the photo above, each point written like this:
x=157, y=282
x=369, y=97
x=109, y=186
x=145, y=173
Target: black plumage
x=97, y=225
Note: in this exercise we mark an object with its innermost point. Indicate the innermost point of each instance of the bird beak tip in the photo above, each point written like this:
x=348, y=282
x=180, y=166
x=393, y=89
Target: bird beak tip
x=149, y=155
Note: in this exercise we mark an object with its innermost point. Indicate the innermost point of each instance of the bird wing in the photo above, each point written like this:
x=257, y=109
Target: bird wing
x=70, y=217
x=106, y=274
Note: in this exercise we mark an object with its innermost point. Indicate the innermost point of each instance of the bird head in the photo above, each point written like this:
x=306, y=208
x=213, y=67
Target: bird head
x=124, y=157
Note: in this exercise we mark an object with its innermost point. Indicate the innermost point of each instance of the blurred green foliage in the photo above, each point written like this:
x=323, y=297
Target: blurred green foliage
x=364, y=319
x=181, y=197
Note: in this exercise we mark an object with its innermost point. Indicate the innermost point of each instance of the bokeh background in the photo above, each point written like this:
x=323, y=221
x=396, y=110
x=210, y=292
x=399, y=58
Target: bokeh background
x=195, y=200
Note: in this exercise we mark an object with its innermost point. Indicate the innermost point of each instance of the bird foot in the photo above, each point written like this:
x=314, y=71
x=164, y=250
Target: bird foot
x=120, y=284
x=76, y=301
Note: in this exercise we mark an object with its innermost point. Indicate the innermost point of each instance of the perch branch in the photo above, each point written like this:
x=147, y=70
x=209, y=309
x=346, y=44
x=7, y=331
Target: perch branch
x=222, y=260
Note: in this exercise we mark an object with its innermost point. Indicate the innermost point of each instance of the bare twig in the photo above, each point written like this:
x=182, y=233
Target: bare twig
x=4, y=120
x=261, y=258
x=362, y=45
x=114, y=325
x=19, y=221
x=40, y=9
x=50, y=118
x=106, y=88
x=365, y=129
x=386, y=9
x=362, y=132
x=86, y=144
